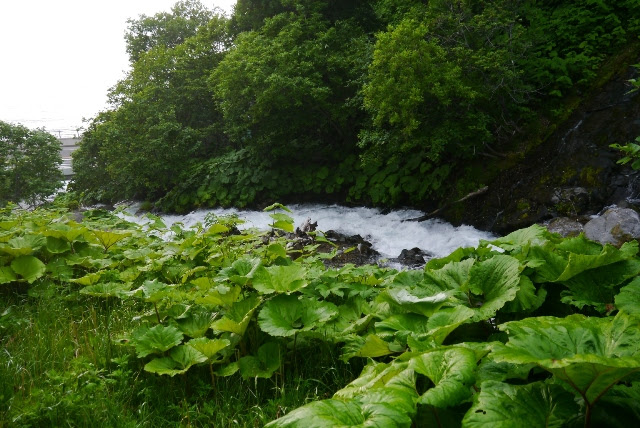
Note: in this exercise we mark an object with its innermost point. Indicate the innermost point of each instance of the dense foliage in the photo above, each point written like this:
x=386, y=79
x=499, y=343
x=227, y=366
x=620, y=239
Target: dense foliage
x=389, y=96
x=29, y=164
x=528, y=329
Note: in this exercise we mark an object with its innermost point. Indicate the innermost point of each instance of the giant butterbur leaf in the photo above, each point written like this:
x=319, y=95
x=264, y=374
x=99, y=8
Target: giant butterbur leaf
x=195, y=322
x=241, y=271
x=579, y=263
x=537, y=404
x=370, y=346
x=286, y=315
x=180, y=359
x=237, y=318
x=7, y=275
x=23, y=245
x=106, y=289
x=279, y=279
x=264, y=364
x=322, y=414
x=452, y=276
x=57, y=245
x=208, y=347
x=590, y=354
x=156, y=339
x=390, y=404
x=219, y=295
x=598, y=287
x=88, y=279
x=108, y=239
x=29, y=268
x=628, y=300
x=497, y=280
x=416, y=299
x=452, y=372
x=532, y=235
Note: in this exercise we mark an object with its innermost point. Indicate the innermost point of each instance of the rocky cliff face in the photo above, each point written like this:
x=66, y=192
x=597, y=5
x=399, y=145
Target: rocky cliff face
x=573, y=172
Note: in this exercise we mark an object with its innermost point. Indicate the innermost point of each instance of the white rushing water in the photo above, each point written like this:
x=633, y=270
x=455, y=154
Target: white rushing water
x=387, y=232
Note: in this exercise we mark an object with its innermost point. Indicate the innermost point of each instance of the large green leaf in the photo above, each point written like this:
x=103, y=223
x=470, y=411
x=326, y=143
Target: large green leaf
x=528, y=298
x=286, y=315
x=330, y=413
x=7, y=275
x=418, y=299
x=264, y=364
x=370, y=346
x=452, y=372
x=497, y=280
x=532, y=235
x=106, y=289
x=23, y=245
x=619, y=407
x=218, y=295
x=157, y=339
x=29, y=268
x=180, y=359
x=538, y=404
x=195, y=322
x=452, y=276
x=373, y=375
x=628, y=300
x=390, y=403
x=579, y=263
x=209, y=347
x=590, y=354
x=108, y=239
x=241, y=271
x=237, y=318
x=279, y=279
x=152, y=291
x=57, y=245
x=597, y=287
x=435, y=328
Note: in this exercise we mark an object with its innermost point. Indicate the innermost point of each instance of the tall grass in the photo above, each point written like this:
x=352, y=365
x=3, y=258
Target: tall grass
x=58, y=367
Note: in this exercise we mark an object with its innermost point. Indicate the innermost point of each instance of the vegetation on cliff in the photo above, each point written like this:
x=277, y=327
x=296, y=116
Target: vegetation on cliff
x=374, y=101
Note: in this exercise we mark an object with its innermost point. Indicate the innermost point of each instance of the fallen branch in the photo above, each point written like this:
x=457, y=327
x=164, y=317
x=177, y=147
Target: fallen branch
x=439, y=210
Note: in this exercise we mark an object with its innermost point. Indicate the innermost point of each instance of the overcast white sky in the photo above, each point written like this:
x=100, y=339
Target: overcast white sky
x=58, y=58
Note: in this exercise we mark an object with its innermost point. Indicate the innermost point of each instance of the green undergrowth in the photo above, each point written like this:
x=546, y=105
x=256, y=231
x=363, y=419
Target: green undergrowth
x=108, y=323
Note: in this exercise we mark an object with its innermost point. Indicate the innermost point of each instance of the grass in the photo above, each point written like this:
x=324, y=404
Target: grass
x=58, y=368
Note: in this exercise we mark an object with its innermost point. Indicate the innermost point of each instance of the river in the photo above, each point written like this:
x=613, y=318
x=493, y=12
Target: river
x=387, y=231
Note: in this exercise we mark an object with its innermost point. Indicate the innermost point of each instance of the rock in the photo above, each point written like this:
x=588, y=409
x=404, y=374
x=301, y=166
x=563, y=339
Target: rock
x=413, y=257
x=570, y=200
x=616, y=226
x=307, y=227
x=362, y=254
x=565, y=226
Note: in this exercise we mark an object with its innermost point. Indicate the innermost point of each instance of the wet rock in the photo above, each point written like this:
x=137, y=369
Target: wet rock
x=363, y=253
x=414, y=257
x=572, y=171
x=570, y=200
x=616, y=226
x=565, y=226
x=306, y=227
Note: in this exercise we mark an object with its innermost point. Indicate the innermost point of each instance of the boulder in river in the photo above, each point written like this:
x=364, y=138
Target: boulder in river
x=616, y=226
x=565, y=226
x=415, y=257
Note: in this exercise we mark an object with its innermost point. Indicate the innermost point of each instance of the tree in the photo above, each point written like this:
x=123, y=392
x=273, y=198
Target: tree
x=443, y=79
x=291, y=89
x=29, y=164
x=164, y=118
x=167, y=29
